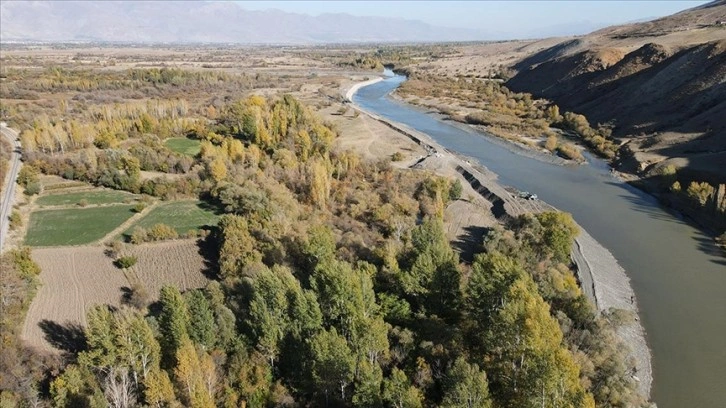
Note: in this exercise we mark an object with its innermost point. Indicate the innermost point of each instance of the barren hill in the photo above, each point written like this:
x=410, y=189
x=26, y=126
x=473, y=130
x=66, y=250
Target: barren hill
x=661, y=84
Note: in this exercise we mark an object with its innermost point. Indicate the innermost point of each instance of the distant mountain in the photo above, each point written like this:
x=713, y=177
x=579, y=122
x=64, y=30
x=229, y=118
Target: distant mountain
x=204, y=22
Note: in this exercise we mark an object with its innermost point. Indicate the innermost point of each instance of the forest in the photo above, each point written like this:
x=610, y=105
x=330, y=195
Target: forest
x=335, y=283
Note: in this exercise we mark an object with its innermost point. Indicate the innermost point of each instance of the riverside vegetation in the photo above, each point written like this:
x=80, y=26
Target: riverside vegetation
x=335, y=283
x=518, y=117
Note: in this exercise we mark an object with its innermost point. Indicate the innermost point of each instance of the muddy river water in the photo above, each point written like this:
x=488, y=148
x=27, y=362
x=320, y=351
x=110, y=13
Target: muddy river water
x=677, y=273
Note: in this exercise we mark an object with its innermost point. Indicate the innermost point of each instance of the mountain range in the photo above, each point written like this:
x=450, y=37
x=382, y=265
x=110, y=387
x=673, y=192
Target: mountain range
x=204, y=22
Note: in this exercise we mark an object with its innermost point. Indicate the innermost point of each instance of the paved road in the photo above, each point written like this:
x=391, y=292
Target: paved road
x=8, y=197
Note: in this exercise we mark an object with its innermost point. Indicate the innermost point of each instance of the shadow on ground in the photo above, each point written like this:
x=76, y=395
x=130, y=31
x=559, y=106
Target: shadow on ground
x=68, y=337
x=470, y=243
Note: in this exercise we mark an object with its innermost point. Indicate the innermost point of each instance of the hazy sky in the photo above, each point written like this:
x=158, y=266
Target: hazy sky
x=504, y=18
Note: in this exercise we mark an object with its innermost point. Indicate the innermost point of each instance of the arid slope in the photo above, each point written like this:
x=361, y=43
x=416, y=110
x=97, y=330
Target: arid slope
x=661, y=84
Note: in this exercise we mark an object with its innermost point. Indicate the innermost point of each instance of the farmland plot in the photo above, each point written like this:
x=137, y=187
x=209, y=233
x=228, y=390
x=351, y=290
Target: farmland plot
x=74, y=279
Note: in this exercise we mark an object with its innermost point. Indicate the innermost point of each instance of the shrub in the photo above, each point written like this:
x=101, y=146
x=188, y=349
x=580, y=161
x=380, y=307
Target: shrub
x=139, y=207
x=16, y=220
x=114, y=248
x=551, y=143
x=699, y=192
x=25, y=264
x=125, y=262
x=28, y=174
x=569, y=151
x=33, y=188
x=455, y=190
x=138, y=296
x=398, y=156
x=139, y=236
x=83, y=203
x=161, y=232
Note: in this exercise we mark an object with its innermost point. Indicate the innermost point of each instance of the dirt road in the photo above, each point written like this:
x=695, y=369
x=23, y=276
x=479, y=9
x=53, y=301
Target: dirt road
x=8, y=197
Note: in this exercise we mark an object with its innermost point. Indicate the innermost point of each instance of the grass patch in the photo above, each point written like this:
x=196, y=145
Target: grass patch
x=91, y=197
x=74, y=226
x=189, y=147
x=180, y=215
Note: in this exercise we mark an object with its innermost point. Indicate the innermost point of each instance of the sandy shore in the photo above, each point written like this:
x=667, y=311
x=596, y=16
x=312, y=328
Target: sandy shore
x=602, y=279
x=358, y=85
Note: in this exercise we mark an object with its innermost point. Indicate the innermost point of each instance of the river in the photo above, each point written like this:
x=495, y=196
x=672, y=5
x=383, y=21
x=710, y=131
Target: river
x=676, y=271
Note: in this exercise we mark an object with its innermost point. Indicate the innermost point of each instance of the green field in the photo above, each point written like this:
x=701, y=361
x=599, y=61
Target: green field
x=92, y=197
x=189, y=147
x=180, y=215
x=74, y=226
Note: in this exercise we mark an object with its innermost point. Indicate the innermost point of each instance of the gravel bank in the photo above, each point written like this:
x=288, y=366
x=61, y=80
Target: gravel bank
x=606, y=283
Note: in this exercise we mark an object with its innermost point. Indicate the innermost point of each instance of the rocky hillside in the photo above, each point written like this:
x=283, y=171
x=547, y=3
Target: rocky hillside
x=660, y=84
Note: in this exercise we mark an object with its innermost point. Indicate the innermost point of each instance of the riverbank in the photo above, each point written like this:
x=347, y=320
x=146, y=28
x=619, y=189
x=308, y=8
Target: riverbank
x=607, y=284
x=610, y=285
x=707, y=219
x=352, y=89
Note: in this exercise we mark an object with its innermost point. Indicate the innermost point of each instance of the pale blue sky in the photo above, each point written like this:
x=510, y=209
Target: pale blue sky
x=513, y=19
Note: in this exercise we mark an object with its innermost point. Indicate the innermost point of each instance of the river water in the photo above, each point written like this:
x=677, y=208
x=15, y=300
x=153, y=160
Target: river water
x=677, y=273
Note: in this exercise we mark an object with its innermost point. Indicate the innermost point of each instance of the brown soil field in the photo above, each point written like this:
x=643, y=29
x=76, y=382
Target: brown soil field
x=74, y=279
x=174, y=262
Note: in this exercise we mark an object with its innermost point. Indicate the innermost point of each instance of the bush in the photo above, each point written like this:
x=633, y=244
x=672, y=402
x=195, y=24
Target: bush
x=551, y=143
x=569, y=151
x=33, y=188
x=160, y=232
x=699, y=192
x=114, y=248
x=83, y=203
x=455, y=190
x=16, y=220
x=398, y=156
x=25, y=264
x=28, y=174
x=139, y=207
x=138, y=296
x=125, y=262
x=139, y=236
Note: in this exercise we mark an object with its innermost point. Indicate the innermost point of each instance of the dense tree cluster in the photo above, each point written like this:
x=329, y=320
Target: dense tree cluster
x=338, y=287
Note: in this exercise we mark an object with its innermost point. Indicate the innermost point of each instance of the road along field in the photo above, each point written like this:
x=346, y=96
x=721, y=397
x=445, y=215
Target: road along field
x=73, y=279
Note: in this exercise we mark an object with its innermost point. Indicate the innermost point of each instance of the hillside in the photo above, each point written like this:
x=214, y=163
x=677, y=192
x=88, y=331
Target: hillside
x=204, y=22
x=661, y=85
